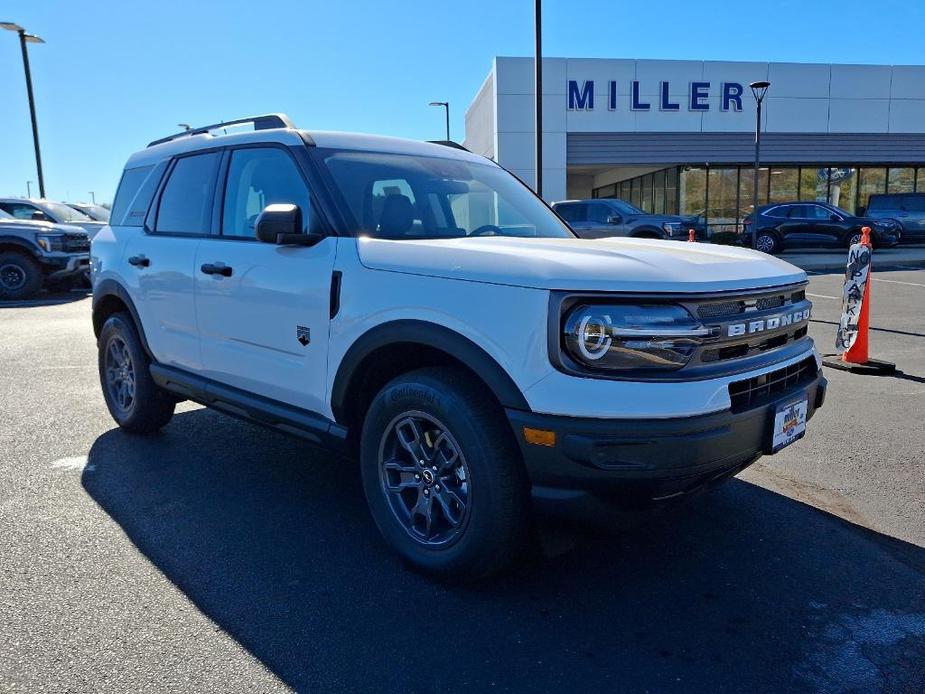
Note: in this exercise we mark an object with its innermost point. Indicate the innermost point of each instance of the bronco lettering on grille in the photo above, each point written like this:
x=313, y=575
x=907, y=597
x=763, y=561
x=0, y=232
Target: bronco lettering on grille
x=760, y=325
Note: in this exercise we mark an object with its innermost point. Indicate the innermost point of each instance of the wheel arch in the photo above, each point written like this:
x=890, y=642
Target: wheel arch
x=393, y=348
x=646, y=232
x=15, y=243
x=110, y=297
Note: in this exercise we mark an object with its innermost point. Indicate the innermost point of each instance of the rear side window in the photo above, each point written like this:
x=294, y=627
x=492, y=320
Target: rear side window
x=136, y=189
x=186, y=203
x=914, y=203
x=571, y=212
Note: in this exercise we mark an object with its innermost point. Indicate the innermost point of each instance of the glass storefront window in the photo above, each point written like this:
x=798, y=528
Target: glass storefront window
x=843, y=187
x=671, y=191
x=659, y=192
x=693, y=191
x=745, y=189
x=900, y=180
x=722, y=211
x=647, y=198
x=870, y=181
x=785, y=183
x=814, y=183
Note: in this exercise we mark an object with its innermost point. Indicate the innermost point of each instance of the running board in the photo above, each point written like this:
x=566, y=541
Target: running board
x=269, y=413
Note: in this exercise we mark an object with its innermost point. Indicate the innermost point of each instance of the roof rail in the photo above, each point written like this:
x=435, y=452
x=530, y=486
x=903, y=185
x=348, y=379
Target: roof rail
x=448, y=143
x=265, y=122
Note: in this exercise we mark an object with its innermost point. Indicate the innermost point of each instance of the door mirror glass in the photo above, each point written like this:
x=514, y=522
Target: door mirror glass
x=279, y=219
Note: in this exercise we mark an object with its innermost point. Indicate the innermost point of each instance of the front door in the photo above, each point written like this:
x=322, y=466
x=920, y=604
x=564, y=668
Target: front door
x=263, y=309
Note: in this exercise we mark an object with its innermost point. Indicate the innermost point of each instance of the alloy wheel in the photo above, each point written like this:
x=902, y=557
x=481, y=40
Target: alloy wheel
x=425, y=478
x=765, y=243
x=12, y=277
x=120, y=374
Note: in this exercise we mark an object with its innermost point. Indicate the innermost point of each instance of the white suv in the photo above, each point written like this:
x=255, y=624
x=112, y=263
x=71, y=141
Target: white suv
x=417, y=306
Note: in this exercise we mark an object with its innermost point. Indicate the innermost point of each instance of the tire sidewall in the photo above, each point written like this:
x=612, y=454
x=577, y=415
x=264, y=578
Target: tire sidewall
x=30, y=269
x=429, y=395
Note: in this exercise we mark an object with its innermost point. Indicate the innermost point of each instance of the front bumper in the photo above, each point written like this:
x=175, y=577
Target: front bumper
x=638, y=462
x=59, y=267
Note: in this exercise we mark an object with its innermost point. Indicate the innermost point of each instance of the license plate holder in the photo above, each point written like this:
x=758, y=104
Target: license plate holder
x=789, y=422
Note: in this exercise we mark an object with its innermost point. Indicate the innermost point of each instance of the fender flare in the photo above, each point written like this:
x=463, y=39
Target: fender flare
x=110, y=287
x=33, y=250
x=432, y=335
x=647, y=232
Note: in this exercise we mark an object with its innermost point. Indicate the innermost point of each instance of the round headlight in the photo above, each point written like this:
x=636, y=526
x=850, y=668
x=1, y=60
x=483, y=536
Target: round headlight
x=594, y=336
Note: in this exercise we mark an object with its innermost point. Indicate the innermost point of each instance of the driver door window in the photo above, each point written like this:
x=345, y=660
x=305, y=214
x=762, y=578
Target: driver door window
x=257, y=177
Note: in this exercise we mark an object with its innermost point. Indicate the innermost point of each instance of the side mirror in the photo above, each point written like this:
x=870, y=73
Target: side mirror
x=281, y=223
x=38, y=216
x=614, y=219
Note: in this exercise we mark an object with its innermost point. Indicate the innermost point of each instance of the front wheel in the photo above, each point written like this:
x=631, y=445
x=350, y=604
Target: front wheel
x=443, y=476
x=20, y=276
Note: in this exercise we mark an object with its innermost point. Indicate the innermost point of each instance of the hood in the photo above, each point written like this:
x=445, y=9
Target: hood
x=612, y=264
x=37, y=227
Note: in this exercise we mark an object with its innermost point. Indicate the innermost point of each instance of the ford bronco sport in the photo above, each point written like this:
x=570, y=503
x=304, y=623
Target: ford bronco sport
x=417, y=306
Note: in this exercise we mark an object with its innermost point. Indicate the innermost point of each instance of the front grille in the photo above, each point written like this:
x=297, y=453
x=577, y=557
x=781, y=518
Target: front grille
x=76, y=243
x=767, y=302
x=721, y=310
x=761, y=389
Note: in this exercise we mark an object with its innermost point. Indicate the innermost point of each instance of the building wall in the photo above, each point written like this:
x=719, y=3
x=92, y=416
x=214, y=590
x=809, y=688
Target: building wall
x=480, y=120
x=835, y=103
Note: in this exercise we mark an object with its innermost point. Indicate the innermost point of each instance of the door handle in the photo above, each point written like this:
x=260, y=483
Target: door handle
x=216, y=269
x=139, y=261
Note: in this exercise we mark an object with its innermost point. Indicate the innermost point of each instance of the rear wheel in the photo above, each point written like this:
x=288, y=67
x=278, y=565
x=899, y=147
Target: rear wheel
x=442, y=475
x=20, y=276
x=134, y=400
x=767, y=243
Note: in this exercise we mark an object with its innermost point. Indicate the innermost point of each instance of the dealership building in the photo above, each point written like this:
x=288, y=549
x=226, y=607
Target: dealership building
x=678, y=136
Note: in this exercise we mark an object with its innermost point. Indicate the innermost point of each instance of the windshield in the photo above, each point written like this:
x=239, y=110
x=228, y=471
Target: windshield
x=625, y=207
x=398, y=196
x=94, y=212
x=65, y=213
x=843, y=213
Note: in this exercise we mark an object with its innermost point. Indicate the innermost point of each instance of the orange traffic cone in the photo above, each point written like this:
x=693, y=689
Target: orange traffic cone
x=691, y=236
x=856, y=358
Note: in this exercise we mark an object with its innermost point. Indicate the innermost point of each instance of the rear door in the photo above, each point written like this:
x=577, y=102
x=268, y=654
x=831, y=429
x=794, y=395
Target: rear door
x=829, y=228
x=264, y=317
x=158, y=263
x=798, y=227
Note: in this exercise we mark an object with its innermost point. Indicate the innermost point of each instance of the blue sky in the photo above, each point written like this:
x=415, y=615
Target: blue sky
x=115, y=75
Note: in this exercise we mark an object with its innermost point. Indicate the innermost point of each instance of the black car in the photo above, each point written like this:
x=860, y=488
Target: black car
x=603, y=217
x=811, y=224
x=907, y=209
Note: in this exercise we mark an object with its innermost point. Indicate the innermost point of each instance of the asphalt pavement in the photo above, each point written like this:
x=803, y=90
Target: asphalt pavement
x=218, y=556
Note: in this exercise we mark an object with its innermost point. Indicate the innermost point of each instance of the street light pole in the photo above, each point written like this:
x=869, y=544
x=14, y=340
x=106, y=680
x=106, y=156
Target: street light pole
x=446, y=105
x=25, y=38
x=93, y=196
x=28, y=189
x=759, y=89
x=538, y=91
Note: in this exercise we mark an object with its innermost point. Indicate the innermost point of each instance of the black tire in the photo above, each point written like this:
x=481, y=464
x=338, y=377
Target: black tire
x=493, y=524
x=20, y=276
x=766, y=237
x=147, y=408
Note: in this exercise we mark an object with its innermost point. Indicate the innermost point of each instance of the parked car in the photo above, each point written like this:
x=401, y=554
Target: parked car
x=814, y=225
x=49, y=211
x=37, y=254
x=97, y=213
x=605, y=217
x=906, y=209
x=417, y=307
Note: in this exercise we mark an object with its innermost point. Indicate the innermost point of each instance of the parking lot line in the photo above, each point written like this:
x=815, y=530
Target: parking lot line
x=823, y=296
x=911, y=284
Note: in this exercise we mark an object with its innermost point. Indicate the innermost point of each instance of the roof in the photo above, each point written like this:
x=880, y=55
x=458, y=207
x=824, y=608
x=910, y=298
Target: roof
x=181, y=143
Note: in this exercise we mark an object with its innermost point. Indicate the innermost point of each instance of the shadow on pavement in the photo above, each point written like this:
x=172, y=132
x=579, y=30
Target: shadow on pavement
x=740, y=590
x=48, y=298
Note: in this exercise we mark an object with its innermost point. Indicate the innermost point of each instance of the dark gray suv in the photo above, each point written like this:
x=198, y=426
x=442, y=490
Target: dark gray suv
x=907, y=209
x=602, y=217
